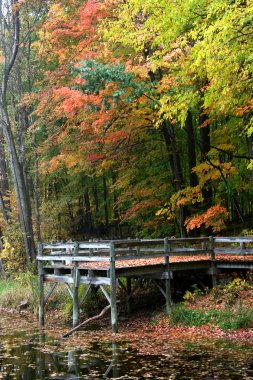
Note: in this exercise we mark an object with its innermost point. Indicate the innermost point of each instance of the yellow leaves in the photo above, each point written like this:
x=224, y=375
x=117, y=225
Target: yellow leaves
x=184, y=197
x=175, y=104
x=187, y=196
x=213, y=171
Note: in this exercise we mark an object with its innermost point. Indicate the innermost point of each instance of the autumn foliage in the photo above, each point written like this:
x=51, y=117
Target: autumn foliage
x=136, y=117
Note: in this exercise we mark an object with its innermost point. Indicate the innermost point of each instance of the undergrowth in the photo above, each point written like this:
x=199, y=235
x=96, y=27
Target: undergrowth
x=23, y=289
x=225, y=319
x=223, y=306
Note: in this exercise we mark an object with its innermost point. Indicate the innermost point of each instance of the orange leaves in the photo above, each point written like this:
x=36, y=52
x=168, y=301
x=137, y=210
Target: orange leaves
x=214, y=217
x=240, y=111
x=69, y=33
x=70, y=100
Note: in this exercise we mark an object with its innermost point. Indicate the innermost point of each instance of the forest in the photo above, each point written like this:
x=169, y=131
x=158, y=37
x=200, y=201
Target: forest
x=124, y=118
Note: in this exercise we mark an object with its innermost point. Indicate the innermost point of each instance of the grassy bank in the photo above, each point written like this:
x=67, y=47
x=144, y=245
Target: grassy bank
x=21, y=292
x=227, y=306
x=19, y=289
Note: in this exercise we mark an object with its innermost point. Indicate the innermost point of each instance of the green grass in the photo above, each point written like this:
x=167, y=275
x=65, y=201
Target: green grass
x=13, y=292
x=24, y=287
x=225, y=319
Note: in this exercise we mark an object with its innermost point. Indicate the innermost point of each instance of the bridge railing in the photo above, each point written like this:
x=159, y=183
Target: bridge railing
x=233, y=245
x=134, y=249
x=118, y=250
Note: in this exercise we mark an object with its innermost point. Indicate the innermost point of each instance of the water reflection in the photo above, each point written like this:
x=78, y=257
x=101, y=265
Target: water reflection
x=40, y=357
x=34, y=360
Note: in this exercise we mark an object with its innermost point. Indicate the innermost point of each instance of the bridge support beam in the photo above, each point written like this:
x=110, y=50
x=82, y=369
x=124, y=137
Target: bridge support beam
x=113, y=289
x=41, y=288
x=167, y=249
x=75, y=289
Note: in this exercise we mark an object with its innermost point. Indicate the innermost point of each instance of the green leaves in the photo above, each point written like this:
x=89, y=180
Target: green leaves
x=97, y=76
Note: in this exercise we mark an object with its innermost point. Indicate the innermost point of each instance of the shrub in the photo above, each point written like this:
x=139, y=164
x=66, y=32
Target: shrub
x=191, y=296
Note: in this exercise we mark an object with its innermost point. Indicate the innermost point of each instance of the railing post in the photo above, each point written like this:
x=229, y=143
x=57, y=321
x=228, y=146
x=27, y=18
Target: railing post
x=76, y=287
x=213, y=265
x=167, y=249
x=90, y=271
x=113, y=289
x=41, y=286
x=242, y=248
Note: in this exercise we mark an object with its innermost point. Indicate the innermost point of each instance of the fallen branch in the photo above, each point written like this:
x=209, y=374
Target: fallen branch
x=87, y=321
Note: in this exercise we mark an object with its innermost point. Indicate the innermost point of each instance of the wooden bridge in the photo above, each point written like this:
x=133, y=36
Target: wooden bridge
x=109, y=264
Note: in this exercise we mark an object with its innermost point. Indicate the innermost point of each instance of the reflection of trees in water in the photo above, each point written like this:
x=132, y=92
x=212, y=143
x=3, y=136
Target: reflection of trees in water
x=32, y=361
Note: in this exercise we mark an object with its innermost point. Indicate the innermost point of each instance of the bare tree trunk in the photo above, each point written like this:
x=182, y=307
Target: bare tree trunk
x=191, y=149
x=22, y=196
x=95, y=196
x=106, y=205
x=4, y=184
x=36, y=197
x=250, y=151
x=205, y=147
x=88, y=215
x=170, y=141
x=117, y=227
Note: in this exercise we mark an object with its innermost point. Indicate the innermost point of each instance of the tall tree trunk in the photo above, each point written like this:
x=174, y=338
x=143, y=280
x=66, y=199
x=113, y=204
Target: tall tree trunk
x=36, y=197
x=117, y=227
x=170, y=141
x=4, y=183
x=95, y=195
x=205, y=148
x=250, y=151
x=191, y=149
x=106, y=205
x=22, y=196
x=88, y=215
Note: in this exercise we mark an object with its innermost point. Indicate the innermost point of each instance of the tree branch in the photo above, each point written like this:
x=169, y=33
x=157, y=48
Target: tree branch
x=231, y=154
x=87, y=321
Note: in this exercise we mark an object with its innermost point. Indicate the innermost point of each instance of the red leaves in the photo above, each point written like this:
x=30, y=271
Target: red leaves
x=95, y=157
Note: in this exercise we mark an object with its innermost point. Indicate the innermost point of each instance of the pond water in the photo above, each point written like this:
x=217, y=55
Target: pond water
x=27, y=354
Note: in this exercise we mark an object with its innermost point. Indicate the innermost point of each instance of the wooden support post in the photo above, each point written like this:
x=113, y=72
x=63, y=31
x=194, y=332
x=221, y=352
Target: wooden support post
x=41, y=286
x=90, y=272
x=213, y=265
x=113, y=288
x=129, y=295
x=242, y=248
x=76, y=287
x=167, y=248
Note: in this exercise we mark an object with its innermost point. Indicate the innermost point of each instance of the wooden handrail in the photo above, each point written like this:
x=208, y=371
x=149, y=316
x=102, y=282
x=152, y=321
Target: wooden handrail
x=138, y=249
